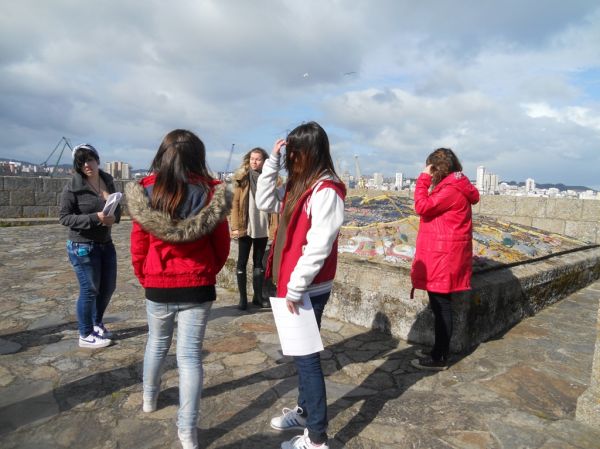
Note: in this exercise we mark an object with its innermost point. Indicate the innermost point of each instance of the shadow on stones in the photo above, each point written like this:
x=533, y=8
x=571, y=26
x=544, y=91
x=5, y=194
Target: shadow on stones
x=233, y=311
x=53, y=334
x=65, y=397
x=388, y=381
x=40, y=337
x=130, y=332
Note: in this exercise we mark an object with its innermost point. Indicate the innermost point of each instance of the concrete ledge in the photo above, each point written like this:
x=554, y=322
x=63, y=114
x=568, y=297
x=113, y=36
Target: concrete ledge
x=371, y=294
x=378, y=295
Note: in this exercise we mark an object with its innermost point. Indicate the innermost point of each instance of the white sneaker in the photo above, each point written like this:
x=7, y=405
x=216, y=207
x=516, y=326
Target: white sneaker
x=421, y=354
x=94, y=341
x=102, y=331
x=302, y=442
x=188, y=438
x=289, y=419
x=149, y=404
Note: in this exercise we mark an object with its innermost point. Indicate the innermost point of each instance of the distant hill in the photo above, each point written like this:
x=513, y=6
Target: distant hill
x=65, y=166
x=558, y=186
x=49, y=163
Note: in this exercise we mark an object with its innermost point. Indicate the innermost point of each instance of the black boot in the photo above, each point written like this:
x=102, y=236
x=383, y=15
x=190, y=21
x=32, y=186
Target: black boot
x=241, y=281
x=258, y=277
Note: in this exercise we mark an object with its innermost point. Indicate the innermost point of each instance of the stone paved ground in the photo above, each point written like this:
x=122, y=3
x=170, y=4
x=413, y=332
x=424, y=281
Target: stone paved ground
x=518, y=391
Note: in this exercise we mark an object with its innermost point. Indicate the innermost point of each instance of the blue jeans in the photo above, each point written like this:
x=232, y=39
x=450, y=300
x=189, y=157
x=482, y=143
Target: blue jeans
x=191, y=325
x=95, y=265
x=312, y=396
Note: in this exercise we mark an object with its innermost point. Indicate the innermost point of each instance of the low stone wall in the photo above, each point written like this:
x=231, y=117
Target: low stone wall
x=377, y=295
x=28, y=197
x=575, y=218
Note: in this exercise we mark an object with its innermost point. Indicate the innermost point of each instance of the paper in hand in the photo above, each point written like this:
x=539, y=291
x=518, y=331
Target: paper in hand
x=112, y=202
x=298, y=334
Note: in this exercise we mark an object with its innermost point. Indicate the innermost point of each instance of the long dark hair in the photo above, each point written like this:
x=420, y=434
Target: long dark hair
x=443, y=162
x=181, y=157
x=307, y=158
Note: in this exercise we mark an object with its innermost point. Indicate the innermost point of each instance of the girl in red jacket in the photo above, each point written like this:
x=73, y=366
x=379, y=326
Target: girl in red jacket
x=303, y=258
x=179, y=242
x=444, y=250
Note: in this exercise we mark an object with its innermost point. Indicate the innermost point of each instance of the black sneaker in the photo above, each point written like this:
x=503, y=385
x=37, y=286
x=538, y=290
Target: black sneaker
x=430, y=364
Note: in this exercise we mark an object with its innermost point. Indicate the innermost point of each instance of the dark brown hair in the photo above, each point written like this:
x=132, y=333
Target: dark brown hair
x=443, y=162
x=307, y=158
x=181, y=156
x=81, y=156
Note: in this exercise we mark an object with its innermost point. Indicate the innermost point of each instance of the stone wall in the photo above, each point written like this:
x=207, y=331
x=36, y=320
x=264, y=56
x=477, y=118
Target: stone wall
x=377, y=295
x=575, y=218
x=29, y=197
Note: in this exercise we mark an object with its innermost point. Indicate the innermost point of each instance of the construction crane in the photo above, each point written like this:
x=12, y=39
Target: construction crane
x=66, y=144
x=229, y=159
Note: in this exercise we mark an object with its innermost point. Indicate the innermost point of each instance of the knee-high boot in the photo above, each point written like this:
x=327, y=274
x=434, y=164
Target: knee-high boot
x=241, y=281
x=258, y=277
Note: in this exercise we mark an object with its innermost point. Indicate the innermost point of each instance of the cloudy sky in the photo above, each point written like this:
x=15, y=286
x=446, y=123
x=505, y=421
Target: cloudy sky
x=511, y=85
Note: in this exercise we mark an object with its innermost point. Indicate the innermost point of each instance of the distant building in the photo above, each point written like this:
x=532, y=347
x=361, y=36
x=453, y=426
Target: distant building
x=487, y=182
x=529, y=185
x=118, y=169
x=378, y=180
x=480, y=178
x=399, y=181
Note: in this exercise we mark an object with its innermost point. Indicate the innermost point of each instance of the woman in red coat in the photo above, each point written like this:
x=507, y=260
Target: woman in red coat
x=179, y=242
x=444, y=250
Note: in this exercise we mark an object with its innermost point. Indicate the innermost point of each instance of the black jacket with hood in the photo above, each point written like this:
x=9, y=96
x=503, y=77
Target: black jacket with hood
x=79, y=207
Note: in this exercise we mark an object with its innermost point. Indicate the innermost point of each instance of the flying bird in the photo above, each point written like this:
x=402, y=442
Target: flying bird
x=306, y=75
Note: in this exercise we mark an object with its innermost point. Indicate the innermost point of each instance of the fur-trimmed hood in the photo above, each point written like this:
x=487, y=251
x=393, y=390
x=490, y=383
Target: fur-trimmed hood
x=189, y=229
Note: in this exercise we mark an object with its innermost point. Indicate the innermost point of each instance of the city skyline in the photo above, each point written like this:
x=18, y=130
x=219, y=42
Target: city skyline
x=506, y=85
x=396, y=178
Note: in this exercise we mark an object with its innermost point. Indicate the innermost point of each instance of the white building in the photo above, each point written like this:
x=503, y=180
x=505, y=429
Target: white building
x=378, y=180
x=529, y=185
x=117, y=169
x=399, y=181
x=480, y=178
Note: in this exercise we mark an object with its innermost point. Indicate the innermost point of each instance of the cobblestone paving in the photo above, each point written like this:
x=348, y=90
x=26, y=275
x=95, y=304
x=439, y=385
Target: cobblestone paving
x=517, y=391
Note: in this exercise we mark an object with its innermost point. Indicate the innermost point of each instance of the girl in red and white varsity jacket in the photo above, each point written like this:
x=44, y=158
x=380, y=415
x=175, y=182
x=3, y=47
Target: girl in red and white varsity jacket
x=303, y=257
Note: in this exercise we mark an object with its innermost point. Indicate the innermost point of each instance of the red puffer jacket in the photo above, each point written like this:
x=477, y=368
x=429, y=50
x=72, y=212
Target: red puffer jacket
x=444, y=253
x=188, y=252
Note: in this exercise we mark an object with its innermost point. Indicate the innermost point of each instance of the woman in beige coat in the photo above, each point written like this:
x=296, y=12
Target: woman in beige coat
x=250, y=227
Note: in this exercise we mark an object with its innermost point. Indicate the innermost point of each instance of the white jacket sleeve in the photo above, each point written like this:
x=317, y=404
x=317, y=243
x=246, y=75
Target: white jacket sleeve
x=327, y=209
x=268, y=196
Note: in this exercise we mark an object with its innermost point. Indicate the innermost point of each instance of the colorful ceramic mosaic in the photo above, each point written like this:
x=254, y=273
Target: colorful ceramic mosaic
x=385, y=227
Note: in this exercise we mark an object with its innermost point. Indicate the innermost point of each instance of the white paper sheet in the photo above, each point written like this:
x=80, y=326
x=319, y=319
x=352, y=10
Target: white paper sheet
x=298, y=334
x=111, y=203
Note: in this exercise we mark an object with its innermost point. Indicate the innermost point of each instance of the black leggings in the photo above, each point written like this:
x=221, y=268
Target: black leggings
x=441, y=305
x=244, y=245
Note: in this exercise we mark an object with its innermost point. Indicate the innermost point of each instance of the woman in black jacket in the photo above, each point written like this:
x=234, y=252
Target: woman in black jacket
x=89, y=244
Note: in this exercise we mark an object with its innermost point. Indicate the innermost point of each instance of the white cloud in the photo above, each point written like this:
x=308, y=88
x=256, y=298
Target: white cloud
x=499, y=82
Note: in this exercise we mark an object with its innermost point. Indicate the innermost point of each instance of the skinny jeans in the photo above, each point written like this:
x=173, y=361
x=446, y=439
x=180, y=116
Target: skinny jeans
x=191, y=326
x=312, y=397
x=95, y=265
